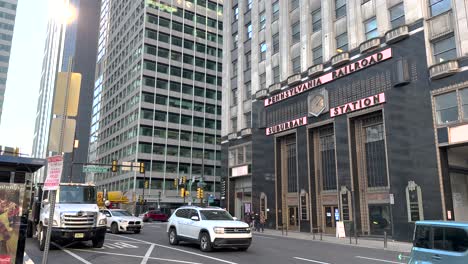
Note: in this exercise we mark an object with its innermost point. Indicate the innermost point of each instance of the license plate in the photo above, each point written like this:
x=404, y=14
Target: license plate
x=79, y=235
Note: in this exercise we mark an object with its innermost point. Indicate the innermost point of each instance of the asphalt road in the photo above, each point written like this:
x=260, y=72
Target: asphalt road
x=152, y=246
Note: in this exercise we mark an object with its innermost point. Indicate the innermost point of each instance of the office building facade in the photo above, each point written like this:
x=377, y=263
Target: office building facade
x=158, y=98
x=7, y=24
x=350, y=111
x=78, y=45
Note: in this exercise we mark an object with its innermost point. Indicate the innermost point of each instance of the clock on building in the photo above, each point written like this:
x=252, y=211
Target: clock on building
x=317, y=102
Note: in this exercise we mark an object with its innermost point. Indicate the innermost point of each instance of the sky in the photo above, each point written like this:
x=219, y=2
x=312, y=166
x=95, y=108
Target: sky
x=24, y=75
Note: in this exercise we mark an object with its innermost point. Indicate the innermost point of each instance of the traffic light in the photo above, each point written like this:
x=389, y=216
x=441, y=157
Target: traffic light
x=142, y=167
x=114, y=166
x=184, y=180
x=140, y=199
x=199, y=193
x=182, y=192
x=146, y=184
x=176, y=182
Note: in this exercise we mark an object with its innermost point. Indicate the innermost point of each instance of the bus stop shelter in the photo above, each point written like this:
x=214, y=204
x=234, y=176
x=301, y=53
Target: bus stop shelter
x=15, y=197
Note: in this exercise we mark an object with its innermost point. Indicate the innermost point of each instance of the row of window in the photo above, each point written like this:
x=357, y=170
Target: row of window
x=186, y=43
x=185, y=58
x=7, y=16
x=173, y=25
x=183, y=168
x=184, y=88
x=240, y=155
x=184, y=73
x=182, y=135
x=180, y=119
x=179, y=151
x=6, y=26
x=7, y=5
x=181, y=103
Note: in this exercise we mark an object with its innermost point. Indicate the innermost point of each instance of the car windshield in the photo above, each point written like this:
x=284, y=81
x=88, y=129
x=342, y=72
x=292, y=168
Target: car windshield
x=215, y=215
x=121, y=213
x=77, y=194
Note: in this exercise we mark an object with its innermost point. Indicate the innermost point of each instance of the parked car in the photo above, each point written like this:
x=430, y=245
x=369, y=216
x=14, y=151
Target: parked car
x=211, y=227
x=440, y=242
x=154, y=215
x=119, y=220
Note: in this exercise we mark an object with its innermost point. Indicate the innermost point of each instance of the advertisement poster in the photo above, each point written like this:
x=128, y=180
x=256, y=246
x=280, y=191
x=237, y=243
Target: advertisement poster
x=11, y=201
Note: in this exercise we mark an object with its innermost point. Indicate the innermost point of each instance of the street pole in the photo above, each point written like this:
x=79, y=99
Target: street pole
x=159, y=200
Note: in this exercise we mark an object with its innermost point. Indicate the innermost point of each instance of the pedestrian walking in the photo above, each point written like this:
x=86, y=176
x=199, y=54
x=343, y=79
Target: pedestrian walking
x=257, y=222
x=262, y=221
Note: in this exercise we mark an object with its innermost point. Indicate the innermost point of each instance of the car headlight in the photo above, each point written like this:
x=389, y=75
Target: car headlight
x=248, y=229
x=218, y=230
x=103, y=221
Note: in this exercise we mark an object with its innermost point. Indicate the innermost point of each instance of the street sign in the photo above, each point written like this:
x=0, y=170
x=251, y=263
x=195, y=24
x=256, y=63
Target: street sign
x=210, y=199
x=392, y=199
x=54, y=172
x=126, y=166
x=95, y=169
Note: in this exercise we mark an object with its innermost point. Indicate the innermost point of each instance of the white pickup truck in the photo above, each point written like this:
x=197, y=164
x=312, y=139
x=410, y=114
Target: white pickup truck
x=76, y=215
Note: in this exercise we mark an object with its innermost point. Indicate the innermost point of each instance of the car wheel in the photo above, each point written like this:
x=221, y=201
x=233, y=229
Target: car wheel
x=205, y=242
x=243, y=248
x=173, y=237
x=98, y=242
x=41, y=237
x=115, y=228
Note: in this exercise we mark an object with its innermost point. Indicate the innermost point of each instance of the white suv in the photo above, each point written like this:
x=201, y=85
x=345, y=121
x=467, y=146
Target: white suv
x=211, y=227
x=120, y=220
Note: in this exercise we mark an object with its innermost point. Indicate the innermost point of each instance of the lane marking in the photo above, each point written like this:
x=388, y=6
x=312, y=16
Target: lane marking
x=267, y=237
x=180, y=250
x=311, y=260
x=72, y=254
x=381, y=260
x=125, y=241
x=135, y=256
x=147, y=255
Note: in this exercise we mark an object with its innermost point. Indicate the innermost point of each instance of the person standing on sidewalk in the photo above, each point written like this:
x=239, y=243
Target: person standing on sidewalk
x=262, y=222
x=256, y=220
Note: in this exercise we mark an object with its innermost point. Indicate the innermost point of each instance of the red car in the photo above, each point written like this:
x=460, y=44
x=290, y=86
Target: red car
x=154, y=215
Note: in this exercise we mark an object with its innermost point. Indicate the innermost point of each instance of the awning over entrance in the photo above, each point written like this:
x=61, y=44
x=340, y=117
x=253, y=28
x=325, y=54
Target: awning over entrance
x=15, y=168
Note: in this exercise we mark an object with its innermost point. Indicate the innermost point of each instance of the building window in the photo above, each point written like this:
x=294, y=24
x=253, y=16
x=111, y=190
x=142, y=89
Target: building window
x=234, y=124
x=249, y=30
x=444, y=49
x=340, y=8
x=342, y=42
x=249, y=4
x=446, y=108
x=376, y=164
x=317, y=54
x=327, y=157
x=235, y=13
x=248, y=119
x=371, y=28
x=296, y=32
x=262, y=20
x=276, y=74
x=234, y=97
x=316, y=20
x=275, y=11
x=263, y=48
x=294, y=4
x=464, y=101
x=296, y=64
x=234, y=68
x=276, y=43
x=397, y=15
x=248, y=61
x=263, y=81
x=248, y=90
x=235, y=39
x=438, y=7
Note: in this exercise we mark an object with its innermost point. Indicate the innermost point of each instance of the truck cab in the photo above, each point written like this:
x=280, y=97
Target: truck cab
x=76, y=215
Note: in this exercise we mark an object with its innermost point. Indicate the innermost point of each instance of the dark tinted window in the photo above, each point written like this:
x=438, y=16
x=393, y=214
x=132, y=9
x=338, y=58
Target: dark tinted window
x=193, y=213
x=456, y=239
x=183, y=213
x=422, y=237
x=438, y=238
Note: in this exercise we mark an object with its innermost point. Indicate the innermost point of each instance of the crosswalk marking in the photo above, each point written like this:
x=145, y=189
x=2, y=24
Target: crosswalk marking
x=118, y=245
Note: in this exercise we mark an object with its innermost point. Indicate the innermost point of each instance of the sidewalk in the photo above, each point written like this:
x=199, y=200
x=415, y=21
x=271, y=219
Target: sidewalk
x=27, y=260
x=402, y=247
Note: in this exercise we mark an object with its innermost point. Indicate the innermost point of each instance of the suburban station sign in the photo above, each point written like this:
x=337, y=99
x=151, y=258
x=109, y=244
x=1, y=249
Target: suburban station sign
x=286, y=126
x=331, y=76
x=358, y=105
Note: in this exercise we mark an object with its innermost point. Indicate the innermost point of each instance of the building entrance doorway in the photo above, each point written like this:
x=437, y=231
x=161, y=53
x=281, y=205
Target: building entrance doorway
x=293, y=218
x=458, y=173
x=329, y=219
